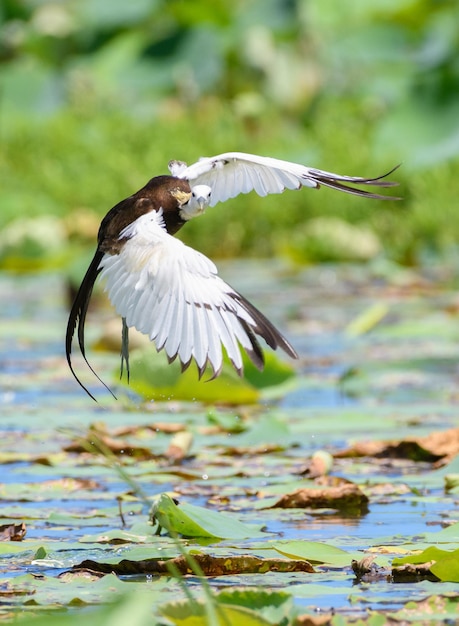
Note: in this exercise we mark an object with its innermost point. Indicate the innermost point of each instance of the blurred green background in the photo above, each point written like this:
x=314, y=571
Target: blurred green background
x=97, y=95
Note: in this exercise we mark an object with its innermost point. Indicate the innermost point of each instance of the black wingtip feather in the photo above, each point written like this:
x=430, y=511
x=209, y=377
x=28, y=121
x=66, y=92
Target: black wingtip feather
x=264, y=328
x=340, y=183
x=256, y=354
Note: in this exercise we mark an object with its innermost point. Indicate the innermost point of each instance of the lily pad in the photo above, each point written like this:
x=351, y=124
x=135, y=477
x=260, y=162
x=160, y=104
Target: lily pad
x=190, y=520
x=314, y=552
x=153, y=378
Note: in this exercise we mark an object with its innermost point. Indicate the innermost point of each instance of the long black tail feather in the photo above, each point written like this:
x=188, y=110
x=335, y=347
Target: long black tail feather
x=77, y=318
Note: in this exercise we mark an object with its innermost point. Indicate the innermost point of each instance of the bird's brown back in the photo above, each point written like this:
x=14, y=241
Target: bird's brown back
x=154, y=196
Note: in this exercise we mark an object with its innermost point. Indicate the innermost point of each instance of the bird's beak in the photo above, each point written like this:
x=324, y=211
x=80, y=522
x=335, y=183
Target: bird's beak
x=201, y=202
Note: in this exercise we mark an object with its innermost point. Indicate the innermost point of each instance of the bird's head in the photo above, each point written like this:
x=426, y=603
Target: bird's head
x=198, y=202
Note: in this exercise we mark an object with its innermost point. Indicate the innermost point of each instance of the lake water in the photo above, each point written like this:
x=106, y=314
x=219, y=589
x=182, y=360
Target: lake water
x=396, y=380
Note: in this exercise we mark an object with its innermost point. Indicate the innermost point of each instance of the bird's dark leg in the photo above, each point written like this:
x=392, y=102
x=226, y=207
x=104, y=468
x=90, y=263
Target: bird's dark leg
x=125, y=349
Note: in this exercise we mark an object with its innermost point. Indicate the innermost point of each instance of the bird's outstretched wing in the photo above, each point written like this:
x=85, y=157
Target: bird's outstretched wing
x=233, y=173
x=173, y=294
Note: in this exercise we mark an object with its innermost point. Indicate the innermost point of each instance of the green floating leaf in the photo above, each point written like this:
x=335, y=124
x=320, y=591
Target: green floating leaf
x=446, y=535
x=235, y=607
x=75, y=590
x=275, y=372
x=132, y=607
x=16, y=547
x=117, y=536
x=154, y=378
x=452, y=483
x=275, y=603
x=447, y=569
x=429, y=554
x=227, y=422
x=313, y=551
x=192, y=614
x=446, y=566
x=41, y=553
x=189, y=520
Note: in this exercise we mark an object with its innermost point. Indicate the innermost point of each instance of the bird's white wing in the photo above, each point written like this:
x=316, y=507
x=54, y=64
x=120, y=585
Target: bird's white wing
x=233, y=173
x=173, y=294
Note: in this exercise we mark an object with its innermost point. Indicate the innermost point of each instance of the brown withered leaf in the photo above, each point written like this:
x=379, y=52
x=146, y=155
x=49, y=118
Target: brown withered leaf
x=314, y=620
x=13, y=532
x=439, y=446
x=255, y=450
x=81, y=573
x=413, y=572
x=384, y=490
x=346, y=497
x=169, y=428
x=98, y=441
x=70, y=484
x=210, y=565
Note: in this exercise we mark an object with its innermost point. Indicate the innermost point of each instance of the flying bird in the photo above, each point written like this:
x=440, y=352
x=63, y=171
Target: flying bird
x=173, y=293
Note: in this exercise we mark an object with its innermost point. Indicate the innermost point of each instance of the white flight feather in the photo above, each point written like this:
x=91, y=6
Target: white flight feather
x=232, y=173
x=173, y=294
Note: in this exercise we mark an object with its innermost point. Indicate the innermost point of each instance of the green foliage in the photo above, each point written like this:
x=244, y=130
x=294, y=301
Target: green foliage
x=96, y=100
